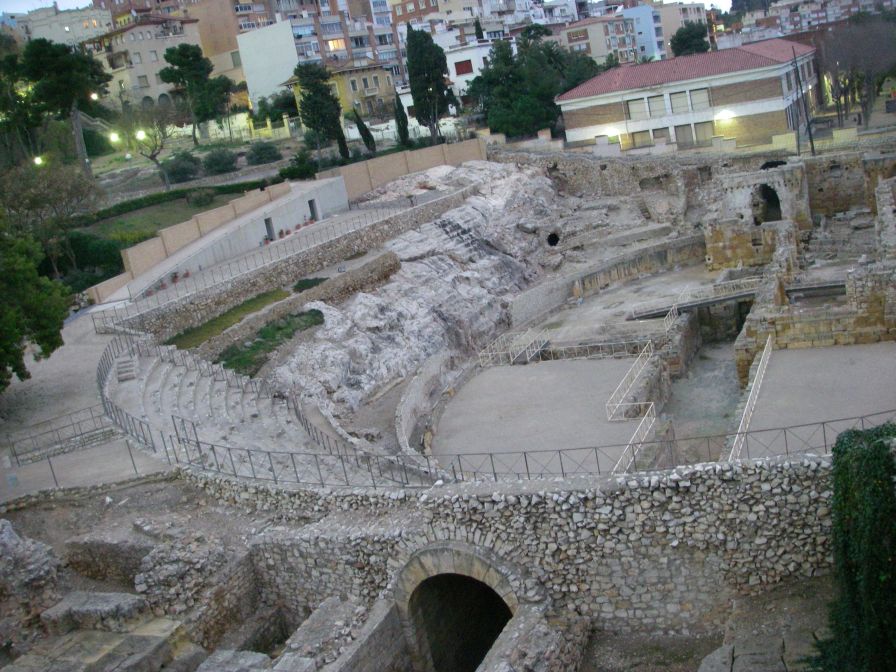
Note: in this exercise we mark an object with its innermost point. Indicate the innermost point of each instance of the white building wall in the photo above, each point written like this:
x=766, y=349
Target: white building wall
x=65, y=26
x=645, y=31
x=269, y=58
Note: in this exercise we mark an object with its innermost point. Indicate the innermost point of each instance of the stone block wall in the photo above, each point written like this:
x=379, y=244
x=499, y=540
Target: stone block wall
x=661, y=551
x=170, y=319
x=885, y=226
x=332, y=290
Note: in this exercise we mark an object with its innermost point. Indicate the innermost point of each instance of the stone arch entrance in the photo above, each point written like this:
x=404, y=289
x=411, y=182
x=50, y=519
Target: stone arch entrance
x=766, y=205
x=458, y=619
x=449, y=591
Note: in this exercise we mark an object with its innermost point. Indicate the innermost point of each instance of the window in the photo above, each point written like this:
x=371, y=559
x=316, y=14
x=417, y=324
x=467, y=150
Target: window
x=700, y=99
x=236, y=59
x=703, y=133
x=335, y=45
x=354, y=84
x=661, y=134
x=143, y=81
x=636, y=109
x=154, y=56
x=136, y=58
x=140, y=35
x=581, y=47
x=95, y=24
x=421, y=4
x=684, y=135
x=86, y=24
x=433, y=3
x=463, y=67
x=366, y=82
x=398, y=10
x=133, y=37
x=641, y=139
x=679, y=102
x=388, y=80
x=410, y=7
x=376, y=81
x=658, y=32
x=576, y=35
x=789, y=82
x=495, y=34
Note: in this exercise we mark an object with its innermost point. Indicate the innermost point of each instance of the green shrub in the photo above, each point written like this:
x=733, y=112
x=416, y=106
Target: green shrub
x=181, y=167
x=91, y=251
x=219, y=161
x=300, y=168
x=262, y=152
x=248, y=359
x=96, y=143
x=306, y=283
x=863, y=618
x=200, y=197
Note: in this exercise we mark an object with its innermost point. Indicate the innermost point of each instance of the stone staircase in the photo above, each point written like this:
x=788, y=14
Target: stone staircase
x=106, y=632
x=126, y=369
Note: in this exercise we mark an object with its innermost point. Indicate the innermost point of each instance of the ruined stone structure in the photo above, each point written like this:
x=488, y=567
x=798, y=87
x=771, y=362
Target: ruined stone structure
x=378, y=554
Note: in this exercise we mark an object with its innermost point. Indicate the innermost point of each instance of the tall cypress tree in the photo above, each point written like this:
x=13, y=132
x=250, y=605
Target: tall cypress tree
x=401, y=123
x=318, y=105
x=478, y=28
x=366, y=135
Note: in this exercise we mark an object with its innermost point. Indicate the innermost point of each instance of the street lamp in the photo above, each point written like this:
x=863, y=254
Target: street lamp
x=114, y=137
x=38, y=161
x=140, y=135
x=94, y=96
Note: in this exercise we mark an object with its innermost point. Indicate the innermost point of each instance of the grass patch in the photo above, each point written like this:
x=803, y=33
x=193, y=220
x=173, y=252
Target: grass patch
x=145, y=222
x=306, y=283
x=248, y=359
x=190, y=338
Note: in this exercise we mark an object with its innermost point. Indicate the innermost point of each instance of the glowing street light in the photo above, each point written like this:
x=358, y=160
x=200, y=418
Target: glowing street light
x=94, y=96
x=114, y=137
x=38, y=161
x=140, y=135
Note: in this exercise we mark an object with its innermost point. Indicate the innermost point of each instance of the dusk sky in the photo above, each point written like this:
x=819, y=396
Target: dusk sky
x=27, y=5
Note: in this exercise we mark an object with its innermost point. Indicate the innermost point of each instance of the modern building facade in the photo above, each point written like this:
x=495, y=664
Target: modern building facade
x=749, y=93
x=601, y=36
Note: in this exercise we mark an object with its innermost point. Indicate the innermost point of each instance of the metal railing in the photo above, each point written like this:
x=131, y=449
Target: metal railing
x=615, y=402
x=109, y=321
x=670, y=318
x=719, y=290
x=636, y=443
x=509, y=347
x=750, y=406
x=614, y=350
x=61, y=434
x=816, y=438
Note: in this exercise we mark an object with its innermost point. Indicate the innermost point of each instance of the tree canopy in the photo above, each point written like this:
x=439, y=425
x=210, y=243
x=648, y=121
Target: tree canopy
x=690, y=39
x=33, y=307
x=190, y=71
x=427, y=70
x=366, y=136
x=401, y=123
x=517, y=91
x=318, y=105
x=275, y=106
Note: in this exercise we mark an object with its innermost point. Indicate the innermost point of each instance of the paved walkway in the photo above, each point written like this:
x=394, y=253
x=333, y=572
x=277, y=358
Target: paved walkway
x=108, y=463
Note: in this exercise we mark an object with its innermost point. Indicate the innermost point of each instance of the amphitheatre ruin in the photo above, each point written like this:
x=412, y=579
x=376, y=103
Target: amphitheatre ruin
x=551, y=399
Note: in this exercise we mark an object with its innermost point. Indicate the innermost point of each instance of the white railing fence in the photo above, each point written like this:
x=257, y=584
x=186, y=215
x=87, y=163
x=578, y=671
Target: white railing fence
x=738, y=443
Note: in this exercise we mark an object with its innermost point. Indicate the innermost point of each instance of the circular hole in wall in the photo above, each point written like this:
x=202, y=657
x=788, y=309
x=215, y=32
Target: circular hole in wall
x=553, y=239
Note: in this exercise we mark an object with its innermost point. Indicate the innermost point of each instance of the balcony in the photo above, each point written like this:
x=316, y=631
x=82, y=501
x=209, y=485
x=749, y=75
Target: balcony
x=371, y=91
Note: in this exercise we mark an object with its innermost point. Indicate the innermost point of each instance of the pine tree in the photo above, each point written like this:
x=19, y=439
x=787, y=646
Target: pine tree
x=478, y=28
x=366, y=135
x=401, y=123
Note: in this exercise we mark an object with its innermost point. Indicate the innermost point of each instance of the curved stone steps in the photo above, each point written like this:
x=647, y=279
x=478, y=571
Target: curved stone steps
x=184, y=400
x=201, y=391
x=158, y=395
x=149, y=380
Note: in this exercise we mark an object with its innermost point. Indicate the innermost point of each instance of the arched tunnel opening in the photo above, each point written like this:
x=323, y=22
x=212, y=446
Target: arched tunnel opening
x=459, y=618
x=766, y=205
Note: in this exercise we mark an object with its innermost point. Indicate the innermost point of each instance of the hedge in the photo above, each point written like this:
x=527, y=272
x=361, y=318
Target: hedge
x=863, y=615
x=164, y=197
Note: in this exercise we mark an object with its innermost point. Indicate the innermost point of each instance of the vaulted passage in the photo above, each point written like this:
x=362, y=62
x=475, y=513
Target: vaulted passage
x=766, y=205
x=459, y=618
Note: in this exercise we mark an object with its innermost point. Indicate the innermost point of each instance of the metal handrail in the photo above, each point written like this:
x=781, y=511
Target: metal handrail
x=749, y=407
x=625, y=385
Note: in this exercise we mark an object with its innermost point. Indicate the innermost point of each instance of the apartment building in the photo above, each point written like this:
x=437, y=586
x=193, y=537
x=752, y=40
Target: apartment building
x=412, y=11
x=649, y=36
x=674, y=15
x=134, y=54
x=601, y=36
x=748, y=93
x=67, y=26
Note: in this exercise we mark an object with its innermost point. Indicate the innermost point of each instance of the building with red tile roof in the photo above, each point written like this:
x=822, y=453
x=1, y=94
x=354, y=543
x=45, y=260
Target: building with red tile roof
x=748, y=93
